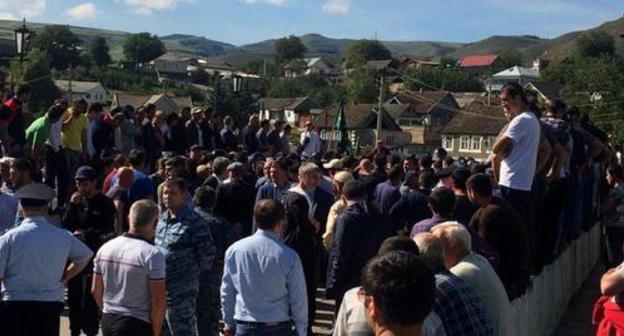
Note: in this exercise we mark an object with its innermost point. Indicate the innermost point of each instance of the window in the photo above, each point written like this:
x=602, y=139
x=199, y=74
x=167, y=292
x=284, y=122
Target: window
x=464, y=142
x=447, y=142
x=475, y=143
x=487, y=144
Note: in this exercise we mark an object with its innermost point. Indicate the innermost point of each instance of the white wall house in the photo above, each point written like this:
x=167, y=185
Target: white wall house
x=92, y=92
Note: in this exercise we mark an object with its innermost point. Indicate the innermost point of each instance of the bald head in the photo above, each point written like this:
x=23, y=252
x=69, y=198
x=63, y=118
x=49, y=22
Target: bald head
x=126, y=177
x=455, y=239
x=431, y=250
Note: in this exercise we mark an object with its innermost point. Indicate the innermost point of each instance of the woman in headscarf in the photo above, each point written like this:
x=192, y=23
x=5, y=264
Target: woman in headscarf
x=299, y=235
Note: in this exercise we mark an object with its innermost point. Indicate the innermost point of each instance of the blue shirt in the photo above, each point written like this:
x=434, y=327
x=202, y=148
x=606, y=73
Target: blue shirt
x=8, y=210
x=142, y=186
x=263, y=282
x=33, y=258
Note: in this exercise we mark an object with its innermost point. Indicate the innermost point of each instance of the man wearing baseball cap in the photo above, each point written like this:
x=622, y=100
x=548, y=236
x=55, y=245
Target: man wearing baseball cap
x=91, y=217
x=34, y=268
x=198, y=131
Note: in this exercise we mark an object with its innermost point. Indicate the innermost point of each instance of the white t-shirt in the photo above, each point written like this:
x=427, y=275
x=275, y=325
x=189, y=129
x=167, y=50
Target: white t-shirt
x=314, y=144
x=518, y=168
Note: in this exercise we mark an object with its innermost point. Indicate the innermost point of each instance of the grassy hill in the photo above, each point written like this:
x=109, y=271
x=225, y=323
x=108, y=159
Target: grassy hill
x=318, y=45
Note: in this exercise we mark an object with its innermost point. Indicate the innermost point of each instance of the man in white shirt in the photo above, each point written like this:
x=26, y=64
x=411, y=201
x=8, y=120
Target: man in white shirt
x=515, y=152
x=310, y=142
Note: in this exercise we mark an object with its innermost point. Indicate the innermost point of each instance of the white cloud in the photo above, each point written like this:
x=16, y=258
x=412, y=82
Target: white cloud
x=270, y=2
x=17, y=9
x=83, y=11
x=147, y=7
x=341, y=7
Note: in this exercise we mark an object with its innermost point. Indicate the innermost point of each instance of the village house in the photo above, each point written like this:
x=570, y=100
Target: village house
x=422, y=115
x=165, y=102
x=473, y=131
x=309, y=66
x=408, y=63
x=294, y=111
x=92, y=92
x=479, y=63
x=361, y=122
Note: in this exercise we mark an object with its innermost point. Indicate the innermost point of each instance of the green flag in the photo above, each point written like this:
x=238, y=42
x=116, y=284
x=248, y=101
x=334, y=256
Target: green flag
x=340, y=126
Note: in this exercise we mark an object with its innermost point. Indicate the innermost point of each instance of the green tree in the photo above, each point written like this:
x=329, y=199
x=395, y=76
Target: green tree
x=449, y=79
x=507, y=58
x=60, y=46
x=289, y=48
x=37, y=74
x=143, y=47
x=595, y=44
x=362, y=51
x=361, y=87
x=99, y=51
x=199, y=76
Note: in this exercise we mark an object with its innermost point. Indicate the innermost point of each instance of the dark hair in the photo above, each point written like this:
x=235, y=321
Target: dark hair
x=137, y=157
x=178, y=162
x=24, y=89
x=426, y=180
x=514, y=90
x=119, y=160
x=22, y=165
x=402, y=287
x=55, y=112
x=205, y=197
x=442, y=200
x=267, y=213
x=425, y=161
x=395, y=172
x=32, y=203
x=460, y=176
x=480, y=184
x=398, y=243
x=282, y=163
x=354, y=190
x=616, y=171
x=380, y=161
x=95, y=107
x=177, y=182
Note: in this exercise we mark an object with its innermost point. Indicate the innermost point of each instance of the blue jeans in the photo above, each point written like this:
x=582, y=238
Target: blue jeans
x=258, y=329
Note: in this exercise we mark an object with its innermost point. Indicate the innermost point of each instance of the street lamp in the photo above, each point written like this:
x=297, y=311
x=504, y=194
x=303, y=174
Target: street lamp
x=237, y=83
x=22, y=40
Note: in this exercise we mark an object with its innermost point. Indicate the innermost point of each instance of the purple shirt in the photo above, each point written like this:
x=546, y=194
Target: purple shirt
x=425, y=225
x=386, y=195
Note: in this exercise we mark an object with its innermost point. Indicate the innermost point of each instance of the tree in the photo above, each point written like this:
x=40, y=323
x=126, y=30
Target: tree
x=143, y=47
x=199, y=76
x=99, y=51
x=595, y=44
x=37, y=74
x=60, y=46
x=449, y=79
x=288, y=49
x=507, y=58
x=362, y=51
x=361, y=87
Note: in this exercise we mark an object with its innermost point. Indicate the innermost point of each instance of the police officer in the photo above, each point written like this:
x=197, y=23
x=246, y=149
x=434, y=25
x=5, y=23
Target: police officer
x=34, y=268
x=185, y=239
x=223, y=235
x=91, y=217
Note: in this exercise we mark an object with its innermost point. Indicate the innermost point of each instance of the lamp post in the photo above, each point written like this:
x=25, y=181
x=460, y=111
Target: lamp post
x=23, y=36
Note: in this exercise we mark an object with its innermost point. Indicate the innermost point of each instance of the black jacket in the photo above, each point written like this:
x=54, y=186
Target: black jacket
x=411, y=208
x=360, y=230
x=192, y=136
x=235, y=202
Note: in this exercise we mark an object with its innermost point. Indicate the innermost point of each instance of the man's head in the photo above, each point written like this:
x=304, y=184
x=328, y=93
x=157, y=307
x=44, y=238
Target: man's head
x=354, y=191
x=143, y=218
x=513, y=99
x=614, y=175
x=425, y=161
x=339, y=180
x=85, y=181
x=23, y=93
x=137, y=158
x=479, y=189
x=442, y=201
x=197, y=114
x=236, y=170
x=269, y=216
x=426, y=180
x=228, y=122
x=174, y=192
x=395, y=174
x=80, y=106
x=398, y=291
x=279, y=171
x=20, y=173
x=175, y=167
x=159, y=117
x=205, y=198
x=126, y=177
x=460, y=176
x=309, y=175
x=366, y=167
x=253, y=120
x=431, y=250
x=444, y=175
x=34, y=198
x=265, y=124
x=219, y=166
x=456, y=241
x=398, y=243
x=94, y=111
x=380, y=161
x=54, y=113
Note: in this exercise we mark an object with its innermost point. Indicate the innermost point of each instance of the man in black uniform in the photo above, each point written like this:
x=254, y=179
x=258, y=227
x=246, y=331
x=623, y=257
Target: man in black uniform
x=91, y=217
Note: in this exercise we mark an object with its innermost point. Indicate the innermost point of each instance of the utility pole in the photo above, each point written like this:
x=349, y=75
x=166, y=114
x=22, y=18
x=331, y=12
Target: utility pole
x=379, y=116
x=69, y=86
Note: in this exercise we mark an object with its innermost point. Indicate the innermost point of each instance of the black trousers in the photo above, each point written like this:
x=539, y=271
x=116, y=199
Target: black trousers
x=30, y=318
x=83, y=310
x=614, y=245
x=56, y=175
x=117, y=325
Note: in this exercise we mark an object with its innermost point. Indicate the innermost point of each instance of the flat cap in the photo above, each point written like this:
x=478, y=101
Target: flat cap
x=197, y=110
x=36, y=191
x=236, y=167
x=333, y=164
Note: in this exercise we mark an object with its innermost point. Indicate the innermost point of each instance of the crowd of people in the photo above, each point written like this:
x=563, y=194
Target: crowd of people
x=180, y=224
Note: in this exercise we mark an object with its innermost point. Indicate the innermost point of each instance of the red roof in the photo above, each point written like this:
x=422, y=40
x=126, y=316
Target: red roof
x=478, y=61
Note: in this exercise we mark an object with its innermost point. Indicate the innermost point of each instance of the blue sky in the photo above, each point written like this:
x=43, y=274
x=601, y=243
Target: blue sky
x=246, y=21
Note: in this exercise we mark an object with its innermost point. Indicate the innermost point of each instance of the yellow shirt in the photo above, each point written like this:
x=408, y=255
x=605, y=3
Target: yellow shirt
x=336, y=209
x=72, y=134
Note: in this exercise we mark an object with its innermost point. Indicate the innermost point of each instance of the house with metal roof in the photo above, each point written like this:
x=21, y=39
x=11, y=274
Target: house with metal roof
x=92, y=92
x=295, y=111
x=518, y=74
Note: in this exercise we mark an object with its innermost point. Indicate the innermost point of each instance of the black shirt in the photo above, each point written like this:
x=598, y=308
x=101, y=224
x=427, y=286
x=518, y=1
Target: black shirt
x=96, y=216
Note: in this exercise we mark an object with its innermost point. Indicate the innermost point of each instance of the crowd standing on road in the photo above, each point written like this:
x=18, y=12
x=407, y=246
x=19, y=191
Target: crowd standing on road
x=182, y=224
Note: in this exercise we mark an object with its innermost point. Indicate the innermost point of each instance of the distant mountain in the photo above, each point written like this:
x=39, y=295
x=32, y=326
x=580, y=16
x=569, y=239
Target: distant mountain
x=530, y=46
